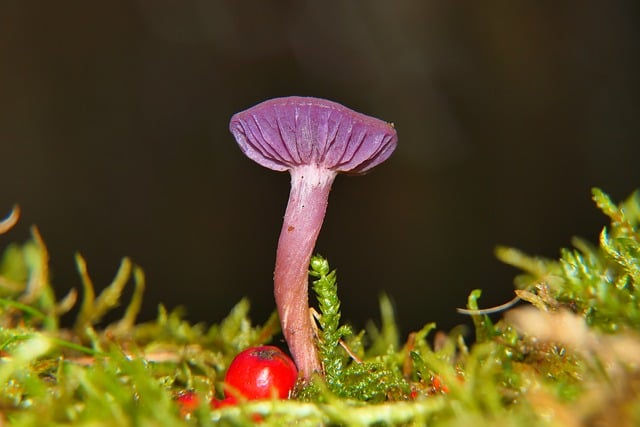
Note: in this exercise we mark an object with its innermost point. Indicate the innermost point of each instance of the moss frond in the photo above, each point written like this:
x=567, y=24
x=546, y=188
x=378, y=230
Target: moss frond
x=601, y=283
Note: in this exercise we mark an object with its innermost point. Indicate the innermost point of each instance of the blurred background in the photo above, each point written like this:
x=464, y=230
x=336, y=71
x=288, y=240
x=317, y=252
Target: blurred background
x=114, y=141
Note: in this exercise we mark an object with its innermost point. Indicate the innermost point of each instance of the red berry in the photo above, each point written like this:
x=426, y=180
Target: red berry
x=414, y=393
x=231, y=401
x=187, y=401
x=227, y=401
x=261, y=373
x=438, y=386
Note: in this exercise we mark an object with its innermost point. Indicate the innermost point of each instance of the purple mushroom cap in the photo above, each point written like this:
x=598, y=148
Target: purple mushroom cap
x=314, y=139
x=283, y=133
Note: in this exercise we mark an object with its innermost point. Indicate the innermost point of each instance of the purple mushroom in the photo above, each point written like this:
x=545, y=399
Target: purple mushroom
x=314, y=139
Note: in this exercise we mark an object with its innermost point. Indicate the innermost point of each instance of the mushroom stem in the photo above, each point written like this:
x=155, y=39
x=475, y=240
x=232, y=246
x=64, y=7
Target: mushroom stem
x=310, y=186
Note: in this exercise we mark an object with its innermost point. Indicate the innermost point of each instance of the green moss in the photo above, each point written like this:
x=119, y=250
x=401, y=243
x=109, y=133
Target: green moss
x=570, y=356
x=601, y=283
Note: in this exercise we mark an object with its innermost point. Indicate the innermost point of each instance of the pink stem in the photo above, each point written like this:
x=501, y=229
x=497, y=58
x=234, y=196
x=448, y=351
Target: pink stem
x=310, y=186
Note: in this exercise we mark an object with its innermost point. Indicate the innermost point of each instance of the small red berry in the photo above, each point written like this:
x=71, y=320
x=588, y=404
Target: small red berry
x=187, y=401
x=438, y=386
x=232, y=401
x=414, y=393
x=227, y=401
x=261, y=373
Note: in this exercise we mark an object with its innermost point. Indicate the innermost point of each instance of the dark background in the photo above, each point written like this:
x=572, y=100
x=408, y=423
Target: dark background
x=114, y=140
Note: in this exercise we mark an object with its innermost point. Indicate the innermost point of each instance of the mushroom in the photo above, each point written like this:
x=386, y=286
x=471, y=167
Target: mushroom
x=314, y=139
